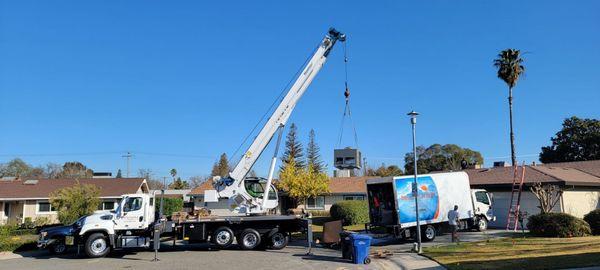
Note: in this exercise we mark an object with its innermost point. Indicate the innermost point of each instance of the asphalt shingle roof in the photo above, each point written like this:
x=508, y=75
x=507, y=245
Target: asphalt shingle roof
x=109, y=187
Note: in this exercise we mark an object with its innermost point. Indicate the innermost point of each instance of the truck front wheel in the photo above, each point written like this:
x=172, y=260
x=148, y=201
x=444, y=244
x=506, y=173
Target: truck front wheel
x=96, y=245
x=428, y=233
x=482, y=224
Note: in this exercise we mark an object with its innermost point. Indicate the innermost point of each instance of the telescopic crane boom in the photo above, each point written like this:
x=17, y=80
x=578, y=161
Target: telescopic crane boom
x=232, y=186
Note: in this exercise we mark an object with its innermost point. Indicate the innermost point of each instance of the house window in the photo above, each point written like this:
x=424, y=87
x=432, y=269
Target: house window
x=45, y=207
x=317, y=202
x=354, y=197
x=106, y=206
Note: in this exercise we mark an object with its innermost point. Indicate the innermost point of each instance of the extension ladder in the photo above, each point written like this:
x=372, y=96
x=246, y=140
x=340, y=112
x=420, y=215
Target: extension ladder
x=514, y=209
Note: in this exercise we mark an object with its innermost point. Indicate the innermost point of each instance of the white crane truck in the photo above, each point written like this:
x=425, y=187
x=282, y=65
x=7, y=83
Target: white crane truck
x=135, y=222
x=392, y=204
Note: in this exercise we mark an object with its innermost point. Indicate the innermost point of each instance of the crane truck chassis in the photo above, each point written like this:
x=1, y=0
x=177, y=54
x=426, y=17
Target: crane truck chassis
x=133, y=225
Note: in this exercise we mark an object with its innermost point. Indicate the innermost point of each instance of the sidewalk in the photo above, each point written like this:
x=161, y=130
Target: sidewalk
x=410, y=260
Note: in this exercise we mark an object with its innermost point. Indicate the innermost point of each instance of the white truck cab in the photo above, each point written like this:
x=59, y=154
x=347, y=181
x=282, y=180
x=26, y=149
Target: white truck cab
x=127, y=226
x=482, y=206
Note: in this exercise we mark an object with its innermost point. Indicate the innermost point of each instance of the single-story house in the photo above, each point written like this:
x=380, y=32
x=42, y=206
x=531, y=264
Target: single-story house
x=29, y=198
x=580, y=182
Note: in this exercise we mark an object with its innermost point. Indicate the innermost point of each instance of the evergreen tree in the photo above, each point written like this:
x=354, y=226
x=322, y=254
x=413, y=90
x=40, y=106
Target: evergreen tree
x=293, y=149
x=179, y=184
x=119, y=174
x=221, y=167
x=313, y=157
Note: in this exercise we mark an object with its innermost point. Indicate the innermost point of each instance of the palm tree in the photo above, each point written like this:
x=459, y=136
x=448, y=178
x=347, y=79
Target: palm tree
x=510, y=67
x=173, y=173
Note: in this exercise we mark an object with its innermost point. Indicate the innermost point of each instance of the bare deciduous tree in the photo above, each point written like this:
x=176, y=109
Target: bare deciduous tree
x=548, y=195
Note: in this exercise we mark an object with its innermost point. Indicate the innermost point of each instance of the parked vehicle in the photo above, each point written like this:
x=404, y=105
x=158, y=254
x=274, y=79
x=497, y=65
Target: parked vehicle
x=392, y=203
x=133, y=225
x=58, y=239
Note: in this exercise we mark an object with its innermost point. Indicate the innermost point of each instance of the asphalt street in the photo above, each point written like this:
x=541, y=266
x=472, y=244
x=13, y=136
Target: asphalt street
x=201, y=256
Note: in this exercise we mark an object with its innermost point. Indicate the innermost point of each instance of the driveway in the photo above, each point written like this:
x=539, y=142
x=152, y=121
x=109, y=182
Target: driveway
x=201, y=256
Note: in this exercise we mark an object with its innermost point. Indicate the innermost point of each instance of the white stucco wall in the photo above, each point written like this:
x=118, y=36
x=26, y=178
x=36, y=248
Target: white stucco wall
x=580, y=202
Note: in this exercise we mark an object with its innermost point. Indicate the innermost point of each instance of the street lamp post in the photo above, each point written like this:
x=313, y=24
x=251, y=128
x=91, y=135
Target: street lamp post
x=413, y=120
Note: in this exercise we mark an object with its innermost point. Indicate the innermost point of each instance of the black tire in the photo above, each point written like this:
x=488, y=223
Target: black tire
x=482, y=224
x=249, y=239
x=367, y=260
x=428, y=233
x=97, y=245
x=278, y=241
x=223, y=237
x=58, y=247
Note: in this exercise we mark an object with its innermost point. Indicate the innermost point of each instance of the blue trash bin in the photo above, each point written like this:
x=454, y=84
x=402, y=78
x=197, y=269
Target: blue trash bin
x=360, y=248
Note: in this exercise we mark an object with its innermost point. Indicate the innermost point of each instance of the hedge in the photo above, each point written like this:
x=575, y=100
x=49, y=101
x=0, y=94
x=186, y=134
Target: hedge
x=557, y=225
x=593, y=218
x=171, y=205
x=350, y=212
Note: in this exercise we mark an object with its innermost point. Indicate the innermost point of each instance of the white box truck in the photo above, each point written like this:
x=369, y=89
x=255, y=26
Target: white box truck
x=392, y=204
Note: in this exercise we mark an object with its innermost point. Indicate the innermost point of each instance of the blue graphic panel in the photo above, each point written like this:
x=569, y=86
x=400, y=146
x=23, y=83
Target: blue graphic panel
x=428, y=199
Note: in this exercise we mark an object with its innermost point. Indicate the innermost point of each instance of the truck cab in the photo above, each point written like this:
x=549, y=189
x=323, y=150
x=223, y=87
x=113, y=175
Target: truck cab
x=127, y=226
x=482, y=206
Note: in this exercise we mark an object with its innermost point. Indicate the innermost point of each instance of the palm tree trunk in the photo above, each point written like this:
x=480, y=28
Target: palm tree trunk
x=512, y=134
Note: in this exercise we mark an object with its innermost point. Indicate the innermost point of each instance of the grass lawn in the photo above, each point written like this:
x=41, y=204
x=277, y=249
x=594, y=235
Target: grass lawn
x=17, y=242
x=520, y=253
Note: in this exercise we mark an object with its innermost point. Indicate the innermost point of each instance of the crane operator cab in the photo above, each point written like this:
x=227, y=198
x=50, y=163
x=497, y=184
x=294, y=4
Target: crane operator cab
x=255, y=188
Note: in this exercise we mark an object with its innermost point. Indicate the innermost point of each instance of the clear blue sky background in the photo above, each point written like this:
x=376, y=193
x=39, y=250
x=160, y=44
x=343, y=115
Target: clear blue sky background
x=177, y=83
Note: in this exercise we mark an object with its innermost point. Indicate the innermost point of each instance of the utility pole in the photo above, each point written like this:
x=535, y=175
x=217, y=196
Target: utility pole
x=128, y=156
x=365, y=171
x=162, y=195
x=413, y=120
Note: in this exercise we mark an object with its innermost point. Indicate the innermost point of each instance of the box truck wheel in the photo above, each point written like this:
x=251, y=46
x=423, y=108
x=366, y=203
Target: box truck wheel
x=223, y=237
x=428, y=233
x=249, y=239
x=96, y=245
x=482, y=224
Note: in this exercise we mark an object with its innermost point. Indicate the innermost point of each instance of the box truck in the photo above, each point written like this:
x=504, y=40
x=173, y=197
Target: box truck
x=392, y=204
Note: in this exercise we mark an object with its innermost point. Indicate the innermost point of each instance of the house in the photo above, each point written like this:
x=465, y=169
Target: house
x=29, y=198
x=580, y=182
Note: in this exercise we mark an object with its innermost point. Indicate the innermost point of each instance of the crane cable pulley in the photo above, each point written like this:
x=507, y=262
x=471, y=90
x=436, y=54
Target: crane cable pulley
x=347, y=111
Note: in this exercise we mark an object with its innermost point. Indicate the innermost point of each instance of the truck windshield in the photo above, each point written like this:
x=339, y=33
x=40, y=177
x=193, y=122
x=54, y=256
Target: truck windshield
x=482, y=197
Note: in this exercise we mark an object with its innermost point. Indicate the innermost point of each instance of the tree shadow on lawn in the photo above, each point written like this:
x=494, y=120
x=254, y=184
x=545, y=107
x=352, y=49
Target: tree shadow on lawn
x=545, y=262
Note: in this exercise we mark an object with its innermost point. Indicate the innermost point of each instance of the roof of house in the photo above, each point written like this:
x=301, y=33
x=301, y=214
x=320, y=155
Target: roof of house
x=199, y=190
x=580, y=173
x=41, y=188
x=349, y=185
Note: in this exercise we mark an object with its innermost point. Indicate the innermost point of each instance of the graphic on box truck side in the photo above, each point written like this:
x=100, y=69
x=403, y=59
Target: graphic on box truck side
x=428, y=199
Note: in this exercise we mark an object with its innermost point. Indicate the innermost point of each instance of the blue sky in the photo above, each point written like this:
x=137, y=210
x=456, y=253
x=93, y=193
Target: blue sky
x=177, y=83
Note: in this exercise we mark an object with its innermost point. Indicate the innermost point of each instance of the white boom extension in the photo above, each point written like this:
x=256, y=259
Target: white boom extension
x=233, y=187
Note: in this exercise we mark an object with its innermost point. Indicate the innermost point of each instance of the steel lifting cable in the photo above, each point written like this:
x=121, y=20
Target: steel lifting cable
x=347, y=111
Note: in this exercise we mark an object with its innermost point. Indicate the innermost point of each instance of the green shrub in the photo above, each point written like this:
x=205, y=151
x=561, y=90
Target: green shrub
x=27, y=223
x=350, y=212
x=557, y=225
x=171, y=205
x=593, y=218
x=41, y=221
